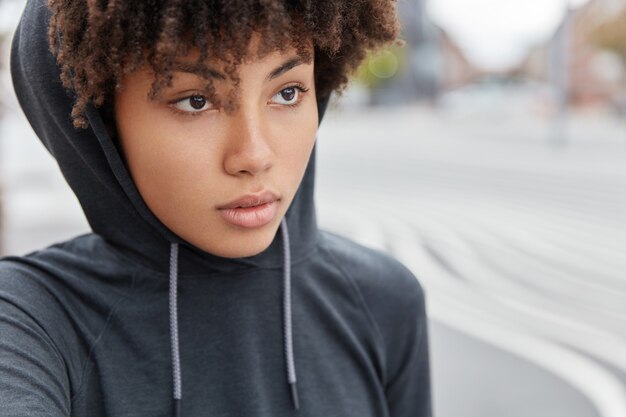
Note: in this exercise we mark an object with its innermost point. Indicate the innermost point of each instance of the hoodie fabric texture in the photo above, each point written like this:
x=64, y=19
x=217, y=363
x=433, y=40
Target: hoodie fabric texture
x=131, y=320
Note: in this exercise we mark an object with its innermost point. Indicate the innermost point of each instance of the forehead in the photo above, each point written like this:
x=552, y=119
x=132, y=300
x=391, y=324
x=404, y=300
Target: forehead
x=270, y=62
x=256, y=50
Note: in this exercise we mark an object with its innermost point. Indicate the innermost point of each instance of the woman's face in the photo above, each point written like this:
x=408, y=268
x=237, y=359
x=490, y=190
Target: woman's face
x=193, y=163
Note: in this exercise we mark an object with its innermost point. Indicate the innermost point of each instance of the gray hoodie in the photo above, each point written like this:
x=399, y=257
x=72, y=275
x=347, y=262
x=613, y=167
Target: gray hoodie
x=132, y=320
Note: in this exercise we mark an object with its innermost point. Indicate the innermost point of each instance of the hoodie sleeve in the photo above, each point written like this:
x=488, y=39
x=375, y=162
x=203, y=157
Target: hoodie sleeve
x=33, y=377
x=395, y=300
x=407, y=387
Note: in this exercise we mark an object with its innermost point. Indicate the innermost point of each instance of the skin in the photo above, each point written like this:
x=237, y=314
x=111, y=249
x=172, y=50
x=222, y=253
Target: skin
x=186, y=161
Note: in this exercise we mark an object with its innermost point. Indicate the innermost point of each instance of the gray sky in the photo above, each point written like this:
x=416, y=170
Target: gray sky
x=495, y=33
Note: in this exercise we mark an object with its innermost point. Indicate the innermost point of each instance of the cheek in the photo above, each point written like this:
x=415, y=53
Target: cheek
x=297, y=137
x=182, y=171
x=169, y=161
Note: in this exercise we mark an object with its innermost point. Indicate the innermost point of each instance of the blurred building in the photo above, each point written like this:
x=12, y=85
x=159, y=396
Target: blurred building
x=429, y=63
x=572, y=60
x=456, y=69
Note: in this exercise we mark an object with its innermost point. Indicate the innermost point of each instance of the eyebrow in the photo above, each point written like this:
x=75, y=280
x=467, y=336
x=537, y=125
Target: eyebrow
x=200, y=69
x=284, y=67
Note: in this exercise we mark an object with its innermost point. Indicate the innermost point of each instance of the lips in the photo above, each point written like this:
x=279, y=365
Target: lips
x=250, y=211
x=251, y=200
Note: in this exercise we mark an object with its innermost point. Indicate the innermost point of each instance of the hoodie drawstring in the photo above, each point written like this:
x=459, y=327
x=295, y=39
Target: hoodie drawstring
x=287, y=329
x=291, y=369
x=178, y=390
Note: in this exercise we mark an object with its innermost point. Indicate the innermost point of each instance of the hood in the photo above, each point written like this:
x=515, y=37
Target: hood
x=96, y=173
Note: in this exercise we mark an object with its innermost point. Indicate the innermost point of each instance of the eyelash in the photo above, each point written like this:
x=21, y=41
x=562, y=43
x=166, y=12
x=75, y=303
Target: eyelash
x=183, y=112
x=301, y=88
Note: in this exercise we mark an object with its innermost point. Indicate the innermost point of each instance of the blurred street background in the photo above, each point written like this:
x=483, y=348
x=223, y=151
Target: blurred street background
x=489, y=156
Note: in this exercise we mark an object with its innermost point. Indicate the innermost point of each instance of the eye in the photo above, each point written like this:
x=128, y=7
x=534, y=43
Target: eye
x=289, y=96
x=192, y=104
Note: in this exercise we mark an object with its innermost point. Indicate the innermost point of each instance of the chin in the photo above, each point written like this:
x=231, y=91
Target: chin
x=241, y=253
x=240, y=247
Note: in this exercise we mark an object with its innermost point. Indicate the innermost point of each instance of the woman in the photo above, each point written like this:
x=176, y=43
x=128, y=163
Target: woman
x=186, y=130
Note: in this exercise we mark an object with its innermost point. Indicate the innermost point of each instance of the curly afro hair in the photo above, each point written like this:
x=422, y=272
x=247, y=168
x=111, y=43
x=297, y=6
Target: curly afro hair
x=96, y=41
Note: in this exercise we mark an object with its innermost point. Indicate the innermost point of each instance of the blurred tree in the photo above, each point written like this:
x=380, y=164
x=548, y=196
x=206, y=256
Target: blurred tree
x=381, y=66
x=612, y=35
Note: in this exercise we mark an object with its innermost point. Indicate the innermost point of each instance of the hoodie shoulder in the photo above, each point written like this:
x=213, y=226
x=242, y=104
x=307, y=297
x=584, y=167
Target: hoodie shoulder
x=66, y=292
x=390, y=291
x=375, y=272
x=396, y=301
x=55, y=305
x=69, y=278
x=34, y=371
x=46, y=285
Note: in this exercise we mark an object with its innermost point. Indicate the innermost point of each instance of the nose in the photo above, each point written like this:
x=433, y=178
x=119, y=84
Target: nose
x=249, y=151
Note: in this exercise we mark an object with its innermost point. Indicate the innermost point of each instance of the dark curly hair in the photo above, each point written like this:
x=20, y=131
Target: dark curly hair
x=96, y=41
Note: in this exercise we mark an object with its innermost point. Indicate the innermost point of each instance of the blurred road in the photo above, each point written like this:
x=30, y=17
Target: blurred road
x=517, y=239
